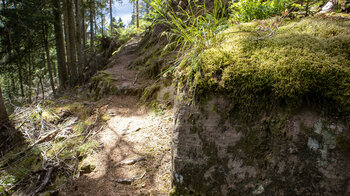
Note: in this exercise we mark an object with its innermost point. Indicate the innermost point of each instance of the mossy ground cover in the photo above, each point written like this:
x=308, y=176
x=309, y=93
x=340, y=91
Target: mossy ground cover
x=303, y=60
x=71, y=146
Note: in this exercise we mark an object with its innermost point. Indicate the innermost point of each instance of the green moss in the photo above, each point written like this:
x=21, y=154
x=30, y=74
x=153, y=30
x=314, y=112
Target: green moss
x=87, y=148
x=149, y=93
x=343, y=143
x=166, y=96
x=303, y=60
x=105, y=117
x=102, y=84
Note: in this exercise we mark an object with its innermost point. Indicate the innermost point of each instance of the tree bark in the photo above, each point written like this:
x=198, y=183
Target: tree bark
x=78, y=38
x=66, y=33
x=30, y=81
x=3, y=112
x=92, y=34
x=111, y=16
x=137, y=14
x=102, y=23
x=61, y=55
x=83, y=32
x=48, y=58
x=83, y=29
x=20, y=74
x=72, y=34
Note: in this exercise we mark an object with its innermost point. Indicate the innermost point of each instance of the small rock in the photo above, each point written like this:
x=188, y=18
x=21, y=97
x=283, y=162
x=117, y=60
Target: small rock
x=87, y=168
x=259, y=191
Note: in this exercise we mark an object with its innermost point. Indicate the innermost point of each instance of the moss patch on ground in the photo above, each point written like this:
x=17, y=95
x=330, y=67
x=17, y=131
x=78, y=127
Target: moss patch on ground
x=76, y=121
x=303, y=60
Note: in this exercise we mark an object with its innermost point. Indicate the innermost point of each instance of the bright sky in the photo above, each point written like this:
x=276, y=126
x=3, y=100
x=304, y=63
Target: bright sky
x=123, y=10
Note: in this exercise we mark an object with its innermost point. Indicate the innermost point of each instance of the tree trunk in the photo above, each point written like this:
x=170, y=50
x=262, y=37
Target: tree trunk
x=92, y=34
x=48, y=58
x=8, y=137
x=83, y=30
x=29, y=81
x=83, y=33
x=66, y=33
x=137, y=14
x=78, y=39
x=72, y=34
x=61, y=55
x=102, y=23
x=3, y=113
x=111, y=16
x=20, y=74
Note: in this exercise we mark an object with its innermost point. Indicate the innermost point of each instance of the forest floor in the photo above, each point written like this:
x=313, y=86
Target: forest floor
x=135, y=157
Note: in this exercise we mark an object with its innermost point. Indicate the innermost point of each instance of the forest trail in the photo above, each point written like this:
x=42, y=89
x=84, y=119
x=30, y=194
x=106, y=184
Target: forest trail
x=135, y=156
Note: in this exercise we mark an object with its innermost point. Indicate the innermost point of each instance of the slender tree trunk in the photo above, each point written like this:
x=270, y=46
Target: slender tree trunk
x=83, y=29
x=103, y=24
x=95, y=23
x=20, y=74
x=72, y=34
x=29, y=82
x=78, y=38
x=3, y=113
x=83, y=32
x=133, y=16
x=137, y=14
x=14, y=89
x=48, y=58
x=61, y=55
x=111, y=16
x=42, y=87
x=66, y=33
x=92, y=34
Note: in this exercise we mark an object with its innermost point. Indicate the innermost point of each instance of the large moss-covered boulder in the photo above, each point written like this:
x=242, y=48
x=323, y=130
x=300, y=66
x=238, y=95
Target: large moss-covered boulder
x=270, y=114
x=218, y=150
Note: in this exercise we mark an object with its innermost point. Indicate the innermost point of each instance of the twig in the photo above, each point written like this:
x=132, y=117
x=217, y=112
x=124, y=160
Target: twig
x=129, y=162
x=275, y=29
x=129, y=180
x=44, y=182
x=43, y=139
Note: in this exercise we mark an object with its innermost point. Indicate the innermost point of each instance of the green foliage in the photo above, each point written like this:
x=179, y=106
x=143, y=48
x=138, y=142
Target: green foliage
x=193, y=33
x=248, y=10
x=126, y=33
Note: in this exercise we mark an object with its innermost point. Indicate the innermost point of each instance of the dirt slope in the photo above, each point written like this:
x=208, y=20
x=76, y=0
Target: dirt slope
x=133, y=134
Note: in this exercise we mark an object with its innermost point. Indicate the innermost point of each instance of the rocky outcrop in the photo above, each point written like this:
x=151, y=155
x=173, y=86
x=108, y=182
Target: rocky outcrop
x=220, y=150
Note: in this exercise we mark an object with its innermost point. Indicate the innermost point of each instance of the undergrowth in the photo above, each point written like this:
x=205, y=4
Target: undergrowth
x=248, y=10
x=64, y=151
x=193, y=30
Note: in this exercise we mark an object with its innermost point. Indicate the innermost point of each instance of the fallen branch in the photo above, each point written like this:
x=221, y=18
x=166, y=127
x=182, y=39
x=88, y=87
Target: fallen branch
x=129, y=162
x=43, y=183
x=129, y=180
x=43, y=139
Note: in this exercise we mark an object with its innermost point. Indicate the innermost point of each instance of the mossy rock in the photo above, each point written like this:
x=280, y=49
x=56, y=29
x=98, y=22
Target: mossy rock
x=87, y=166
x=102, y=84
x=305, y=60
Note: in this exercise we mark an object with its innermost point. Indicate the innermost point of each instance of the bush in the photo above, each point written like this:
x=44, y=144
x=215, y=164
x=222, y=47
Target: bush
x=248, y=10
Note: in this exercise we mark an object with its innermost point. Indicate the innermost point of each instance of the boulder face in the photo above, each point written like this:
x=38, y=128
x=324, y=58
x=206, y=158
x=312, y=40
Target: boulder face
x=219, y=150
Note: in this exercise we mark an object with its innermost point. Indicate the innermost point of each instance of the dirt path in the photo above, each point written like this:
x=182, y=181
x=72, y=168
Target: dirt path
x=133, y=134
